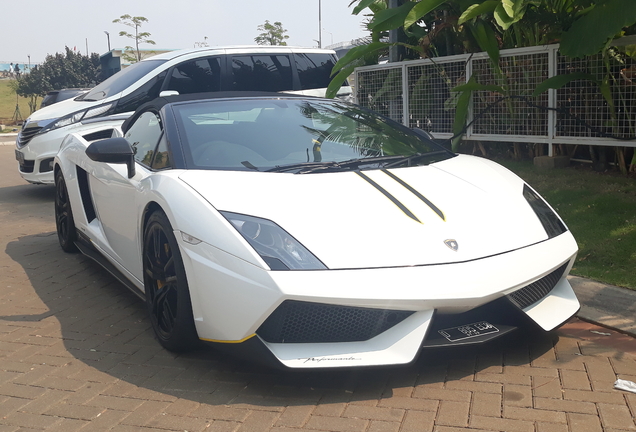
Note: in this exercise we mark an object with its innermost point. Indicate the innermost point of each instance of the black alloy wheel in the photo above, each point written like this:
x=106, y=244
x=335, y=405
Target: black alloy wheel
x=66, y=233
x=166, y=286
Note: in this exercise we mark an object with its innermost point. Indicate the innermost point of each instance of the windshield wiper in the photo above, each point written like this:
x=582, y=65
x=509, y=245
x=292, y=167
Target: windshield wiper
x=390, y=161
x=412, y=158
x=302, y=166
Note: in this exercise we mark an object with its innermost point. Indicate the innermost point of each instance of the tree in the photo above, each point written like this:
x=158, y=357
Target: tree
x=58, y=71
x=138, y=37
x=464, y=26
x=272, y=34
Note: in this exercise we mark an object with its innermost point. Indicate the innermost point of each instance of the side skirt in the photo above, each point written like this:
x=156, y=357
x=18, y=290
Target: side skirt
x=85, y=246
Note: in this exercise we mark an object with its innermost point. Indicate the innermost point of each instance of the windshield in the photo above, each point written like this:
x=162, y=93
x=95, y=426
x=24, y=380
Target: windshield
x=296, y=135
x=122, y=80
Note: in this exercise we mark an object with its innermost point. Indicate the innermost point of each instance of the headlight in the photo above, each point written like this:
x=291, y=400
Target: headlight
x=550, y=221
x=275, y=245
x=77, y=117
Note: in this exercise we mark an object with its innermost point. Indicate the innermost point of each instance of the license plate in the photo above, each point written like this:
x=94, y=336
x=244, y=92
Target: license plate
x=468, y=331
x=19, y=156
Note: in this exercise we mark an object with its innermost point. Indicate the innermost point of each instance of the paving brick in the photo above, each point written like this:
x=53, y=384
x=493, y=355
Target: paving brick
x=499, y=424
x=584, y=423
x=115, y=403
x=337, y=424
x=504, y=378
x=383, y=426
x=9, y=405
x=374, y=413
x=295, y=416
x=21, y=391
x=28, y=420
x=547, y=387
x=167, y=421
x=418, y=421
x=486, y=404
x=453, y=413
x=80, y=412
x=565, y=405
x=576, y=380
x=45, y=401
x=442, y=394
x=597, y=397
x=517, y=395
x=71, y=425
x=409, y=403
x=330, y=409
x=600, y=369
x=623, y=366
x=551, y=427
x=258, y=421
x=530, y=414
x=475, y=387
x=616, y=416
x=107, y=420
x=531, y=371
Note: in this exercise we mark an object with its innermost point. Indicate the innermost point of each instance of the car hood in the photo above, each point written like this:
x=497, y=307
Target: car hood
x=60, y=109
x=461, y=209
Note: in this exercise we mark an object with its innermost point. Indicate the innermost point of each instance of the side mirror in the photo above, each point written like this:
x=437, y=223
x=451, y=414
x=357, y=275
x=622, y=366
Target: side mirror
x=113, y=150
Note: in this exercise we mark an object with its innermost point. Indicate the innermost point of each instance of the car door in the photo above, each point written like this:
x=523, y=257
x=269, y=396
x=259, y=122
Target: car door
x=117, y=197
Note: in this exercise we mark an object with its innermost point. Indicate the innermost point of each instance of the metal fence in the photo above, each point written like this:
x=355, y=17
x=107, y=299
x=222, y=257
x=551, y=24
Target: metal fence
x=419, y=93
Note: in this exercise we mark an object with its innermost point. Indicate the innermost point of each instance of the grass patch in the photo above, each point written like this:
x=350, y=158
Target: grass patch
x=7, y=104
x=600, y=210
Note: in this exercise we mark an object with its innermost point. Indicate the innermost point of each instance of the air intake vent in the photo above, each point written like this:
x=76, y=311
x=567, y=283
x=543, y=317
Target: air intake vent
x=302, y=322
x=99, y=135
x=537, y=290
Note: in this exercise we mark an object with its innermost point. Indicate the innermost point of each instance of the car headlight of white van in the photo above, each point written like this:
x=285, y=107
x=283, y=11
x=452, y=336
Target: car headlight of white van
x=78, y=116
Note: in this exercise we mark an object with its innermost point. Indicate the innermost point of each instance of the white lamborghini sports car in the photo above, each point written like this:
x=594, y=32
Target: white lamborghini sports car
x=310, y=231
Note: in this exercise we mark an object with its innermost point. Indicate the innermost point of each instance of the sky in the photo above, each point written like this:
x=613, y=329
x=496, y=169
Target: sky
x=49, y=26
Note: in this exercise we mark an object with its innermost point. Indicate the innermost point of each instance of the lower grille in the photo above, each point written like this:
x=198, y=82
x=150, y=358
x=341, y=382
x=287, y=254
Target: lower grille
x=302, y=322
x=26, y=135
x=537, y=290
x=28, y=166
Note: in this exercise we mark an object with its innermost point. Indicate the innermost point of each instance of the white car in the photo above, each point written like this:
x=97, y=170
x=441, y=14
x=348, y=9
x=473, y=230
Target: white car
x=311, y=231
x=247, y=68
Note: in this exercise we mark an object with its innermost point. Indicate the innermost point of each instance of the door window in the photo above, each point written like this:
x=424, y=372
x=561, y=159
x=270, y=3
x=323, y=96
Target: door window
x=261, y=73
x=143, y=136
x=196, y=76
x=314, y=70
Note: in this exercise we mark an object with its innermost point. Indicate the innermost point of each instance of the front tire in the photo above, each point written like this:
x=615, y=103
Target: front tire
x=64, y=223
x=166, y=287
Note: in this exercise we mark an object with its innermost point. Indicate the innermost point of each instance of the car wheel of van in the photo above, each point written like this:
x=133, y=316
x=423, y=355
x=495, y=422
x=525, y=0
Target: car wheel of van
x=66, y=233
x=166, y=286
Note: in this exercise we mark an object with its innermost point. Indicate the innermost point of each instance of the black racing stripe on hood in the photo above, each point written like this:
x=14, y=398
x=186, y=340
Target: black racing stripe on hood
x=389, y=196
x=416, y=193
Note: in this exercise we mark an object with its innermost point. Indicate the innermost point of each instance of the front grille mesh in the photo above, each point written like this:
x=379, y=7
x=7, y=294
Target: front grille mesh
x=302, y=322
x=537, y=290
x=26, y=135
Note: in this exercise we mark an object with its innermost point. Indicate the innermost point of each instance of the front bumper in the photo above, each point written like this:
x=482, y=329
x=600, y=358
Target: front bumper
x=232, y=299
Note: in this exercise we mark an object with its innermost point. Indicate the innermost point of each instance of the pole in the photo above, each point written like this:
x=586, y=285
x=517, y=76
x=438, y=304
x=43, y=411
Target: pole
x=108, y=37
x=86, y=47
x=319, y=24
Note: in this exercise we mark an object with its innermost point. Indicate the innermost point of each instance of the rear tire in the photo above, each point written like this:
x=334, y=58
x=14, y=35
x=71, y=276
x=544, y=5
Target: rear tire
x=64, y=223
x=166, y=286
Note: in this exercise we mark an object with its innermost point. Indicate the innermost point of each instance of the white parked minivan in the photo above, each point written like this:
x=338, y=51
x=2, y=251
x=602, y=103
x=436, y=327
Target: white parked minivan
x=247, y=68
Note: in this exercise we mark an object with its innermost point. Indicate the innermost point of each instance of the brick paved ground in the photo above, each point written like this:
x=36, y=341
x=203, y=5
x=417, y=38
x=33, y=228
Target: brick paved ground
x=77, y=353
